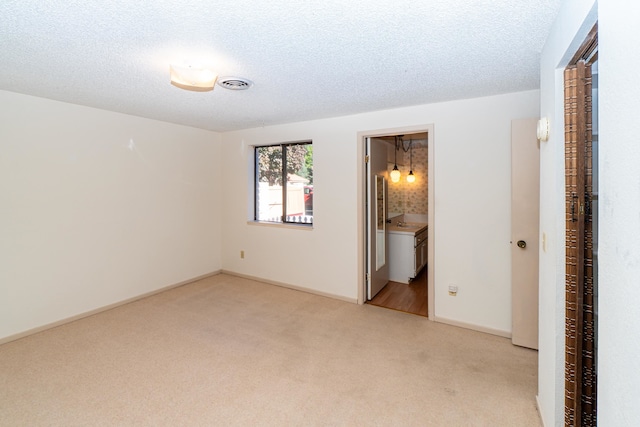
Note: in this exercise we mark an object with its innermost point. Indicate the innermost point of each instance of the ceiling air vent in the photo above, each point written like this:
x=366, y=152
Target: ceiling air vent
x=234, y=83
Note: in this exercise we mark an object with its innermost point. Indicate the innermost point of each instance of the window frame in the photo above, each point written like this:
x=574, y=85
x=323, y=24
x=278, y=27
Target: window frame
x=256, y=183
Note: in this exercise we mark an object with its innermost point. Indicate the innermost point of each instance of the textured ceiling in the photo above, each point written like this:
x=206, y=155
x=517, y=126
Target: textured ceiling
x=307, y=59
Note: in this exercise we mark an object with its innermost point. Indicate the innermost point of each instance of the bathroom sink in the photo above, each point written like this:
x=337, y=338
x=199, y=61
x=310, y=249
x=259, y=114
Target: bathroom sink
x=410, y=226
x=407, y=227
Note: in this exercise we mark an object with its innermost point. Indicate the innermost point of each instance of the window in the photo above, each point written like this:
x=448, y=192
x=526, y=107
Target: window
x=291, y=164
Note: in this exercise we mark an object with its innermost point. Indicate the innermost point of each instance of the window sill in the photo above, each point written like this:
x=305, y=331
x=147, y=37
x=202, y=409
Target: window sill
x=305, y=227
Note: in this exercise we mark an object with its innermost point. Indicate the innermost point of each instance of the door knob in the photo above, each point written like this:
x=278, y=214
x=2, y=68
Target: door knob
x=522, y=244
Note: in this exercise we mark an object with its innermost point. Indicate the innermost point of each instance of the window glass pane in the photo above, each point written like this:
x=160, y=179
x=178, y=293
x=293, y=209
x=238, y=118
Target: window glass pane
x=299, y=159
x=291, y=200
x=269, y=183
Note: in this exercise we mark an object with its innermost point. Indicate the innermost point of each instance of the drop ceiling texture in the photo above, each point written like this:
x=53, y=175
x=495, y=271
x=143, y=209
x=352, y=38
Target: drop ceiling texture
x=307, y=59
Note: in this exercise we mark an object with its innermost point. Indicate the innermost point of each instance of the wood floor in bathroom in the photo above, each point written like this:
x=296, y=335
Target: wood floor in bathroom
x=411, y=298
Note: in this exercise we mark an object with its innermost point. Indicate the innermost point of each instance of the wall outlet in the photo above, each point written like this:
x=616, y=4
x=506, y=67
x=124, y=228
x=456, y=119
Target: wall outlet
x=242, y=254
x=453, y=290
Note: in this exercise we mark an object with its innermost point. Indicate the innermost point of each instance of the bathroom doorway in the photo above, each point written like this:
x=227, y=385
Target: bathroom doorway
x=409, y=298
x=408, y=220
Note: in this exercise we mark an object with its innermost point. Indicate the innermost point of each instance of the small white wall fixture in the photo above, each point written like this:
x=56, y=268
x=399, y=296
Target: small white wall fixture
x=542, y=129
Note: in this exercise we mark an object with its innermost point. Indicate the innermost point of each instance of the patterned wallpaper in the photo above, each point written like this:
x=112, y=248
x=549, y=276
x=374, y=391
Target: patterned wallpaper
x=410, y=198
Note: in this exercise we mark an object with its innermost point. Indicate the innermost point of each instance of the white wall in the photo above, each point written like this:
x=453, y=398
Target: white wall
x=619, y=207
x=619, y=302
x=472, y=202
x=572, y=25
x=98, y=207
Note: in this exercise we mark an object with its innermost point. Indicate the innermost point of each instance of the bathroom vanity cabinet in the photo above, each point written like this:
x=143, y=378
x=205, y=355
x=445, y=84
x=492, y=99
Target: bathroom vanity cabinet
x=407, y=252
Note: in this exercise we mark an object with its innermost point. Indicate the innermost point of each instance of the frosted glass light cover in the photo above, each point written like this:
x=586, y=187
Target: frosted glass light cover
x=193, y=78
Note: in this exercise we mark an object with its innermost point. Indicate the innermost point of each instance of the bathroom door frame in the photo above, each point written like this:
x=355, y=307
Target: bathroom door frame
x=362, y=211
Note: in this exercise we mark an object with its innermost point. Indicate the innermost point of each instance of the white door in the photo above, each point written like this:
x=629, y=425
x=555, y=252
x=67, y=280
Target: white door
x=525, y=208
x=377, y=246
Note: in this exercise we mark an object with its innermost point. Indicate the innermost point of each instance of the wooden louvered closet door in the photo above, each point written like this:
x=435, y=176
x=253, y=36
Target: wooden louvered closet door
x=580, y=364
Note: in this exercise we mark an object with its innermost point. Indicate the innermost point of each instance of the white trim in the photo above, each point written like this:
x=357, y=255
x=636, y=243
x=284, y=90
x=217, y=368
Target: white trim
x=478, y=328
x=539, y=411
x=290, y=286
x=293, y=226
x=361, y=141
x=104, y=308
x=431, y=220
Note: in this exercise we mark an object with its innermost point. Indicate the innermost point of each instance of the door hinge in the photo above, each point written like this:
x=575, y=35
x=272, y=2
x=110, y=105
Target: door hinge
x=366, y=159
x=367, y=277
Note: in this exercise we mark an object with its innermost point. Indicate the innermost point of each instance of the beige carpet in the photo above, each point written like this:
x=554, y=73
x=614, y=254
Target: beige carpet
x=230, y=351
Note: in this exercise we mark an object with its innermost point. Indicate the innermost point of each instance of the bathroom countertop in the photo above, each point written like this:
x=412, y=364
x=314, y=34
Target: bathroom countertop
x=411, y=228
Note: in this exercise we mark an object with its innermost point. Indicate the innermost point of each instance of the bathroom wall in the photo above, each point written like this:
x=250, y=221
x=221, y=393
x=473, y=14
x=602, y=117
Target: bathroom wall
x=405, y=197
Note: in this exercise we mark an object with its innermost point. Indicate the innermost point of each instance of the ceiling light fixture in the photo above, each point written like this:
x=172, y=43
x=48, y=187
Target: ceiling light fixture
x=193, y=78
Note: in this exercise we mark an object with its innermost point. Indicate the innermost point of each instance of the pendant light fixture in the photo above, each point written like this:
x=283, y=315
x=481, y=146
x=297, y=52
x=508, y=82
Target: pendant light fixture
x=411, y=177
x=395, y=173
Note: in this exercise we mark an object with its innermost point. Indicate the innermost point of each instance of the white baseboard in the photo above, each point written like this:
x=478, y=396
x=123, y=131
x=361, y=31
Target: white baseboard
x=289, y=286
x=539, y=411
x=505, y=334
x=101, y=309
x=498, y=332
